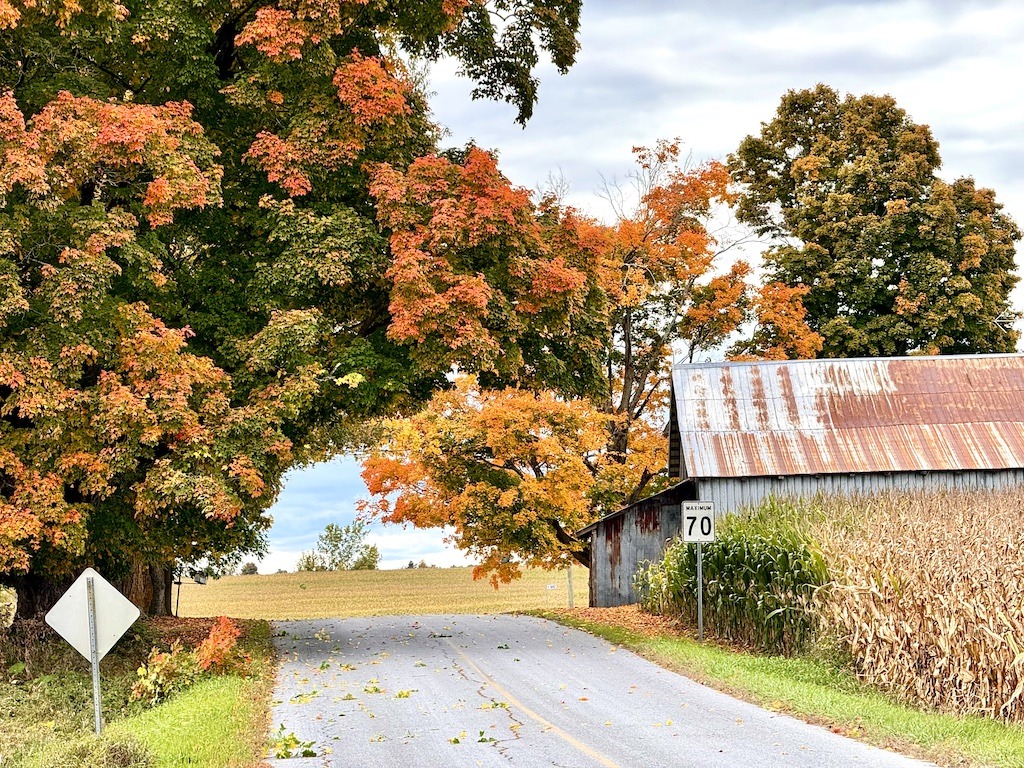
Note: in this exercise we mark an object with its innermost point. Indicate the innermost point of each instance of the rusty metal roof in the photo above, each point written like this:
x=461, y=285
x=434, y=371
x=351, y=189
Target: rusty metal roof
x=803, y=417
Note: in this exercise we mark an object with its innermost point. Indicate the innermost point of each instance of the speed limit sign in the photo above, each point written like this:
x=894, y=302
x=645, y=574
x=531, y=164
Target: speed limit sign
x=698, y=521
x=699, y=528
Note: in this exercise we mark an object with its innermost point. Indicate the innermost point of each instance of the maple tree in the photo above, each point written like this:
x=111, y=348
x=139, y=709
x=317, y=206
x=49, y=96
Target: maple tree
x=196, y=291
x=514, y=471
x=894, y=260
x=508, y=469
x=480, y=275
x=672, y=292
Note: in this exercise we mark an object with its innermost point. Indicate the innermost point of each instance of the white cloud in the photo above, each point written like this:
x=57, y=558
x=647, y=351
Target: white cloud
x=711, y=72
x=327, y=493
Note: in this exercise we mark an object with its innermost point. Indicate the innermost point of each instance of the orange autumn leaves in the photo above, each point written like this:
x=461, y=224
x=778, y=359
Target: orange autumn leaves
x=515, y=471
x=61, y=12
x=281, y=31
x=508, y=469
x=372, y=99
x=72, y=136
x=321, y=132
x=471, y=266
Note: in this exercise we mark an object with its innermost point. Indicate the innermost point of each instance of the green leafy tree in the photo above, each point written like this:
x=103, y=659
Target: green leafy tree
x=341, y=548
x=249, y=569
x=195, y=287
x=368, y=559
x=896, y=260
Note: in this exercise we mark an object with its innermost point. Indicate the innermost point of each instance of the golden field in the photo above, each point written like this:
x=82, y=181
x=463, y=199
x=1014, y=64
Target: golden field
x=377, y=593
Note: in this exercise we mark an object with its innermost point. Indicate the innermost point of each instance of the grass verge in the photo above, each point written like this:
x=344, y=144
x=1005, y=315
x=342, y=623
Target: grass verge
x=819, y=692
x=220, y=722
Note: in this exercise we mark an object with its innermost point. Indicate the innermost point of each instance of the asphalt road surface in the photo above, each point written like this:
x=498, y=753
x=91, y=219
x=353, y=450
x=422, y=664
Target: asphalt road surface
x=517, y=691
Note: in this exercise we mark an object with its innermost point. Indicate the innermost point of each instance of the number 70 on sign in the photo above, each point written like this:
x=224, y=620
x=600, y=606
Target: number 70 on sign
x=698, y=521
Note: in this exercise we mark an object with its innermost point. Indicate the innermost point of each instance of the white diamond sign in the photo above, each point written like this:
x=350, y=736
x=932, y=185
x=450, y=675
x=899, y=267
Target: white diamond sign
x=114, y=614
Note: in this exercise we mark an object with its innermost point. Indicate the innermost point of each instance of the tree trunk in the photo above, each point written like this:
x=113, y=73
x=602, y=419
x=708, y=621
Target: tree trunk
x=162, y=578
x=37, y=594
x=149, y=586
x=138, y=585
x=618, y=442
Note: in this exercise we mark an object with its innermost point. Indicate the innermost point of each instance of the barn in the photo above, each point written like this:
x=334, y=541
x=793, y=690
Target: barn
x=742, y=431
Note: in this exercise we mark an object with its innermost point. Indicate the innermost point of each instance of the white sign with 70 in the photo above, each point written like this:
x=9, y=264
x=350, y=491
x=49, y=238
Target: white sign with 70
x=698, y=521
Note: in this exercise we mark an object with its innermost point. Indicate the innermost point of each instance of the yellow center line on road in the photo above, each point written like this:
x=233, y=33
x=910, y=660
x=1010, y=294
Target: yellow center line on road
x=568, y=738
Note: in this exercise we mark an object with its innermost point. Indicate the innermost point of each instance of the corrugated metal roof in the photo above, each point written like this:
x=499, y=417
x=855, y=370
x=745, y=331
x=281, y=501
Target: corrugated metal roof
x=802, y=417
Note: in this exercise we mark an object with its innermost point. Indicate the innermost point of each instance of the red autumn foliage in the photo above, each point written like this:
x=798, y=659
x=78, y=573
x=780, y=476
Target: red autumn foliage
x=219, y=651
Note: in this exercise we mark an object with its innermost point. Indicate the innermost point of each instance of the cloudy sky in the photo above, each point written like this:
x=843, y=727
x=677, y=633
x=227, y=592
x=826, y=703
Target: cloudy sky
x=710, y=73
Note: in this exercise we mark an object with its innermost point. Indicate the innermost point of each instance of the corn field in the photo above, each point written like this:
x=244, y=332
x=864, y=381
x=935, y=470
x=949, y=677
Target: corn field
x=925, y=591
x=929, y=596
x=761, y=575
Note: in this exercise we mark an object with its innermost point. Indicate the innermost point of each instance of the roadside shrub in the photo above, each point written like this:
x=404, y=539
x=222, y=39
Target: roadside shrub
x=219, y=652
x=761, y=577
x=165, y=673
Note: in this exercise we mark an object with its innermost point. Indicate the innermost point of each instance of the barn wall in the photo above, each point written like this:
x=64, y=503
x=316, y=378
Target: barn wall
x=622, y=542
x=733, y=494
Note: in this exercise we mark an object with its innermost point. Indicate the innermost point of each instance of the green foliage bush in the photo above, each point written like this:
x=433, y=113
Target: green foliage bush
x=165, y=673
x=761, y=576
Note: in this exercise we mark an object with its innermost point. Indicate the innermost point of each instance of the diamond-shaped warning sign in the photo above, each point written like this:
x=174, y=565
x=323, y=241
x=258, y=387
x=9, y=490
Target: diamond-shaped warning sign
x=114, y=614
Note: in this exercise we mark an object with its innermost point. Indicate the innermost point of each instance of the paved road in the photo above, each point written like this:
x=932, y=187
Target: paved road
x=518, y=692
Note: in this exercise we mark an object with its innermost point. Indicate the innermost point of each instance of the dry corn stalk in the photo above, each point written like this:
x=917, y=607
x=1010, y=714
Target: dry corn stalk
x=929, y=595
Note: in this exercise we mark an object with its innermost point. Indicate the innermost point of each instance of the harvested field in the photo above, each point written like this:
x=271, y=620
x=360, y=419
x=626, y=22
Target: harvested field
x=377, y=593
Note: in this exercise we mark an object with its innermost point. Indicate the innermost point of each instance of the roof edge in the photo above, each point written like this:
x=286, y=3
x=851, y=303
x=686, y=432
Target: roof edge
x=819, y=360
x=670, y=495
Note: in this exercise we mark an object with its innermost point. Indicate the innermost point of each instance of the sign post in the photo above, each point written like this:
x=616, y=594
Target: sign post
x=92, y=615
x=569, y=578
x=94, y=656
x=699, y=528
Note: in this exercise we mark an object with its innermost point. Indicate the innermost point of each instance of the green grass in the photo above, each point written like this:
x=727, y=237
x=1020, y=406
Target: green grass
x=211, y=724
x=825, y=693
x=377, y=593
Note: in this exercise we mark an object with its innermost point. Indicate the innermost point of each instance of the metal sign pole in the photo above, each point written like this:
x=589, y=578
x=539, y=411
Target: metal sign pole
x=700, y=593
x=94, y=656
x=570, y=586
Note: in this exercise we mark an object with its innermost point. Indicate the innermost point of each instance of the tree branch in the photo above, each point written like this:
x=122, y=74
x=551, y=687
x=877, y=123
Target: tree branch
x=570, y=541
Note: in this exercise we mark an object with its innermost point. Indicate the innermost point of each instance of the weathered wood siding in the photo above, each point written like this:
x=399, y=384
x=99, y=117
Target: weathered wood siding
x=620, y=543
x=732, y=494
